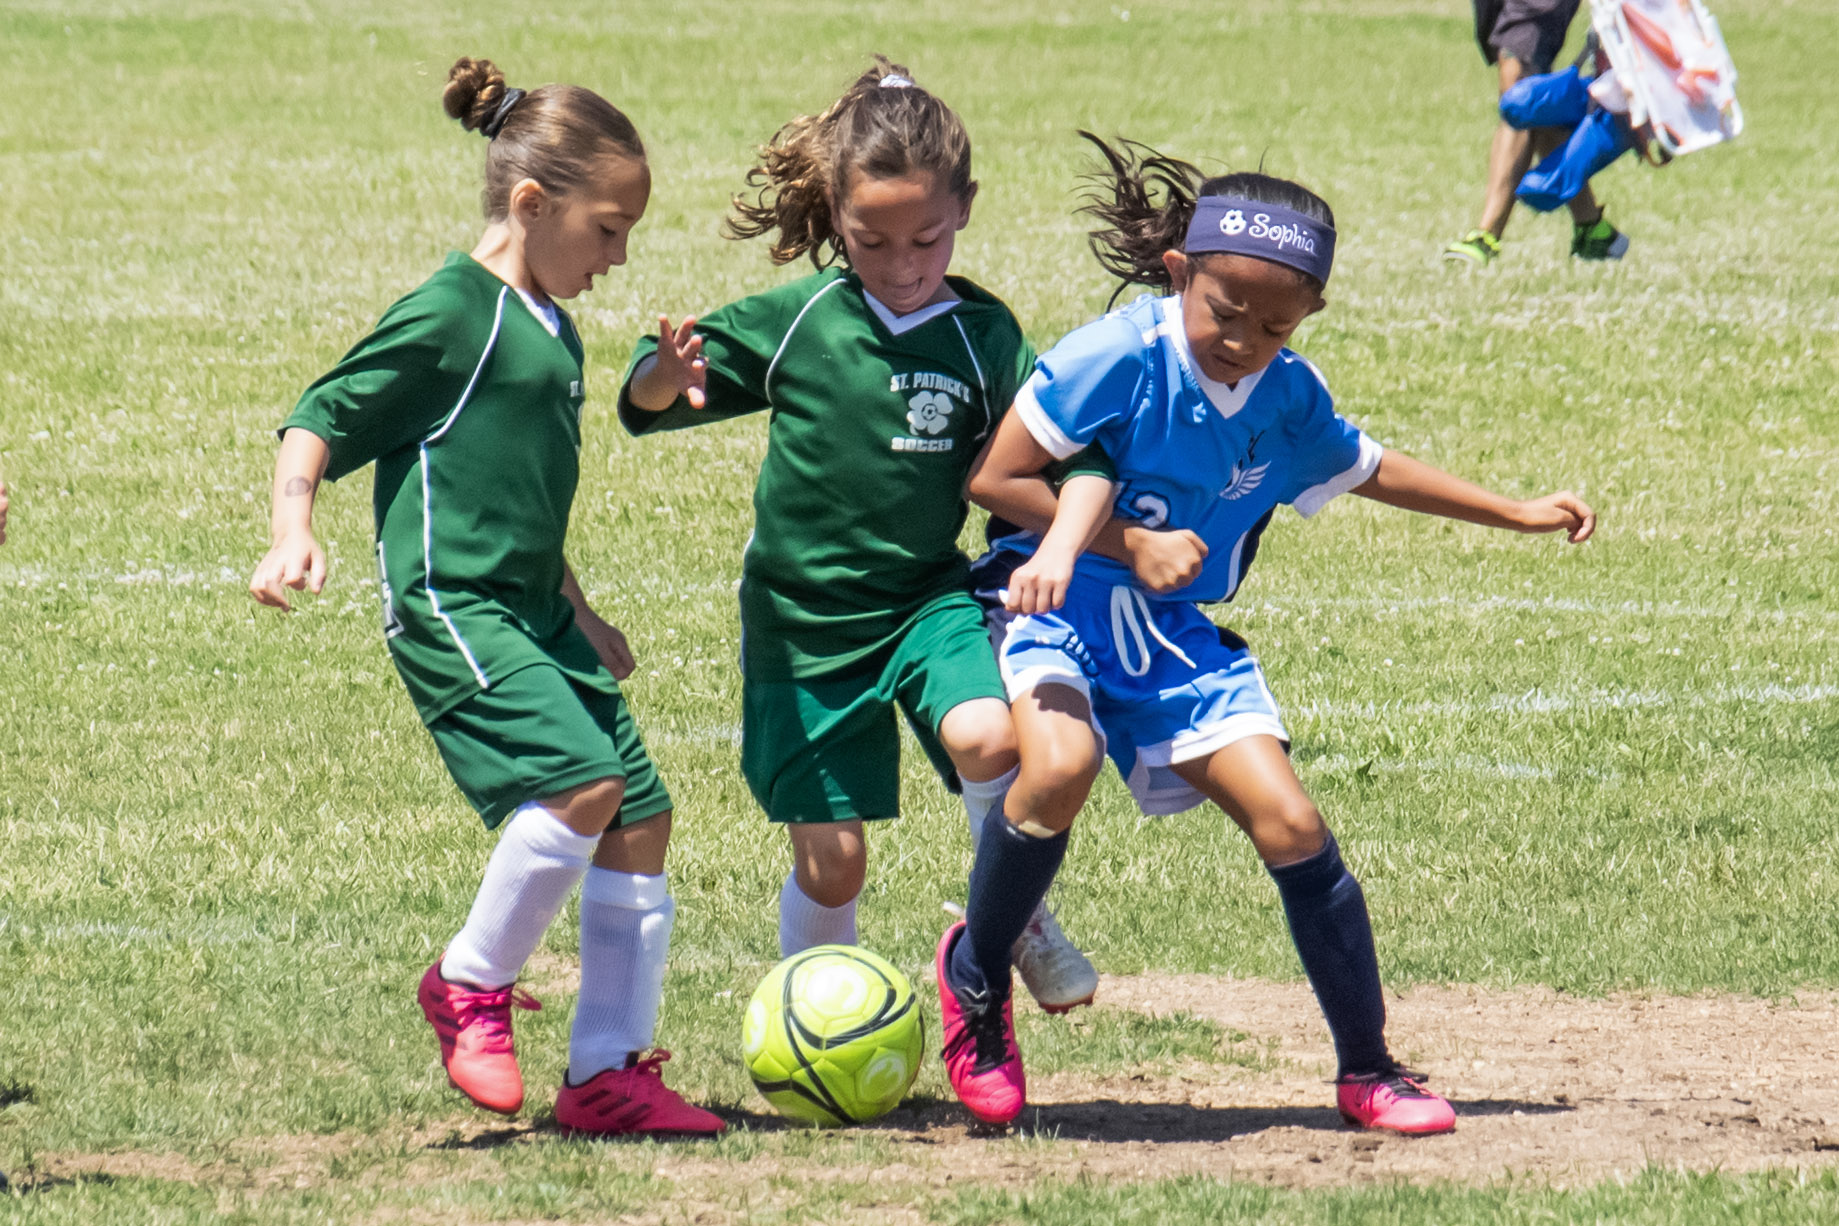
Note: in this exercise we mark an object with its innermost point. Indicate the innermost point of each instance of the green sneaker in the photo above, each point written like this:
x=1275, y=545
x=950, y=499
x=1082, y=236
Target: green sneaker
x=1477, y=247
x=1598, y=241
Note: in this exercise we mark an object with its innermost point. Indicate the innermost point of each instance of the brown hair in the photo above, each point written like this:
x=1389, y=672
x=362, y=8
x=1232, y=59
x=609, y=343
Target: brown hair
x=1143, y=202
x=555, y=134
x=884, y=131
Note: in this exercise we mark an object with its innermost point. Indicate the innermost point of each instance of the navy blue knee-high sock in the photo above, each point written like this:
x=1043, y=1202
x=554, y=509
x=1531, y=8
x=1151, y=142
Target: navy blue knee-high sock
x=1008, y=881
x=1334, y=938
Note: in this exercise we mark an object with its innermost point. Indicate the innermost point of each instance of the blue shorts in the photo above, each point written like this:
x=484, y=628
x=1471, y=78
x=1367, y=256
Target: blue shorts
x=1165, y=684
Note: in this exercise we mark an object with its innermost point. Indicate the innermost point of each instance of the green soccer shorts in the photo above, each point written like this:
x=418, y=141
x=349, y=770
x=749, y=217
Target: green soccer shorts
x=536, y=733
x=827, y=749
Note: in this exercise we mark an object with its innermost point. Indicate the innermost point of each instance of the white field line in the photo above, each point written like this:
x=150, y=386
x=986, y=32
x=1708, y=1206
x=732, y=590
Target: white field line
x=135, y=934
x=1460, y=764
x=1532, y=702
x=1659, y=609
x=13, y=575
x=1538, y=702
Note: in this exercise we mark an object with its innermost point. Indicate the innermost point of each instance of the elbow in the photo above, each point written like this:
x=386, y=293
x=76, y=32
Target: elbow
x=982, y=487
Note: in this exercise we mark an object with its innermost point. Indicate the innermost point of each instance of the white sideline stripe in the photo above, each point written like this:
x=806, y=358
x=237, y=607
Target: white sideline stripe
x=1544, y=604
x=135, y=934
x=14, y=575
x=1538, y=702
x=1460, y=764
x=1533, y=702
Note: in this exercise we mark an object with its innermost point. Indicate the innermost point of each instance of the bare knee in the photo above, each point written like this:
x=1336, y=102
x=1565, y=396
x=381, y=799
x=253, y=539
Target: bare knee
x=830, y=864
x=979, y=736
x=590, y=808
x=637, y=848
x=1289, y=831
x=1060, y=768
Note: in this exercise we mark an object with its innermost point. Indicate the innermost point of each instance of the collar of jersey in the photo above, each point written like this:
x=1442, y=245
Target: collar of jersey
x=551, y=319
x=898, y=324
x=1226, y=401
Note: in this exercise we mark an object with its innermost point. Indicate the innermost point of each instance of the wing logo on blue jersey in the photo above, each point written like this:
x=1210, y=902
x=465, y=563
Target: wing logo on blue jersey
x=1243, y=481
x=1245, y=477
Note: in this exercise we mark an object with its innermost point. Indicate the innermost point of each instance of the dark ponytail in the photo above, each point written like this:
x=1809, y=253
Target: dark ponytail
x=1144, y=202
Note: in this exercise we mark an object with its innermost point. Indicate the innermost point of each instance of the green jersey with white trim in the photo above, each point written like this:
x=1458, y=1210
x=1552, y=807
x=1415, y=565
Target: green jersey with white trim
x=471, y=409
x=875, y=422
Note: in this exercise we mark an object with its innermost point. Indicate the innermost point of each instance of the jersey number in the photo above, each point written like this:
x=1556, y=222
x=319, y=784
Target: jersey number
x=1153, y=508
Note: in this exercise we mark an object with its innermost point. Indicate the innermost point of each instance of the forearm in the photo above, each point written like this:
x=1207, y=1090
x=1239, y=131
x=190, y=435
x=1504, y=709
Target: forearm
x=1084, y=508
x=299, y=468
x=1030, y=502
x=571, y=590
x=1413, y=485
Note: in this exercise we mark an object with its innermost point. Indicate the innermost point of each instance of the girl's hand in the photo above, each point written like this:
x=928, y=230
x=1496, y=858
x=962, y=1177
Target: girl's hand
x=2, y=512
x=1561, y=512
x=1163, y=560
x=1039, y=584
x=681, y=366
x=608, y=643
x=295, y=561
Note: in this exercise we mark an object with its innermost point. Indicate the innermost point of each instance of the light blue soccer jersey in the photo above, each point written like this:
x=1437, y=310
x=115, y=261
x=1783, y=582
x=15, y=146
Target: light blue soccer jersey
x=1190, y=453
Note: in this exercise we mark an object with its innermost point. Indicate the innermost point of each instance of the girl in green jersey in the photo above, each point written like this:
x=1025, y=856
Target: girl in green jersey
x=884, y=378
x=467, y=397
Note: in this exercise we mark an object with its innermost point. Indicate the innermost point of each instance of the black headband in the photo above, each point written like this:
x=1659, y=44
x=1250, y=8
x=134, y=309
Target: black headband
x=491, y=127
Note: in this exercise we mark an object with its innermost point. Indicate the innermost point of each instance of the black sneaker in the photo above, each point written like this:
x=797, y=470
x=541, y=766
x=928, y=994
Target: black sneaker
x=1598, y=241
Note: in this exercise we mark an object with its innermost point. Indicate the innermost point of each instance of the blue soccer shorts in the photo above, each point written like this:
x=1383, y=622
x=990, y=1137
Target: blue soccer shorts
x=1164, y=683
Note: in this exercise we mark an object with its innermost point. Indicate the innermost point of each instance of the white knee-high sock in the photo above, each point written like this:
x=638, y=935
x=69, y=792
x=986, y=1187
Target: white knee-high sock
x=537, y=862
x=625, y=933
x=982, y=800
x=804, y=923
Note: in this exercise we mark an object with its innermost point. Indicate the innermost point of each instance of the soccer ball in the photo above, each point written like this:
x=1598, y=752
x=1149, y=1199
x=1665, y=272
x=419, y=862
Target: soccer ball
x=833, y=1036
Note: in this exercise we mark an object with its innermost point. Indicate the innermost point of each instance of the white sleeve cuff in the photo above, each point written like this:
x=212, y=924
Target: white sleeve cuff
x=1316, y=497
x=1041, y=426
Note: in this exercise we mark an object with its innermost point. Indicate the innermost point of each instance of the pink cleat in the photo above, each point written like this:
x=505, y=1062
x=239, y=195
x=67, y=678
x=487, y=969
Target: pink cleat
x=630, y=1102
x=1396, y=1100
x=474, y=1027
x=981, y=1059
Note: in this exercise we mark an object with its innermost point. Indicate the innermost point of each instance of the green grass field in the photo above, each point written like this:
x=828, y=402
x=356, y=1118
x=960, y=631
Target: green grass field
x=227, y=848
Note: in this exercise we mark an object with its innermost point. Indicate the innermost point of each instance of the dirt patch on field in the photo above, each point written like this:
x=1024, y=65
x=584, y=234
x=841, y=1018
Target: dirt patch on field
x=1560, y=1089
x=1567, y=1090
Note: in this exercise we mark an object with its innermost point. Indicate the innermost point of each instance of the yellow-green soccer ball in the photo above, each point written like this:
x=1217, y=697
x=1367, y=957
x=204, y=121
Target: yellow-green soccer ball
x=833, y=1036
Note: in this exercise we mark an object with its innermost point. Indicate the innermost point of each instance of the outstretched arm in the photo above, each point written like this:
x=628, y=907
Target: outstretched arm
x=294, y=558
x=1006, y=480
x=1401, y=481
x=607, y=640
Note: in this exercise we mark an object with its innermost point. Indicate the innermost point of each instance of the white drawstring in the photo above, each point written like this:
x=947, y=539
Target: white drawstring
x=1130, y=609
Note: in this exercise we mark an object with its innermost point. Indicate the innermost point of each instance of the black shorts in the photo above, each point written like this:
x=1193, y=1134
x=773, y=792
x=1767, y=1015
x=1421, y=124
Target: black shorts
x=1531, y=31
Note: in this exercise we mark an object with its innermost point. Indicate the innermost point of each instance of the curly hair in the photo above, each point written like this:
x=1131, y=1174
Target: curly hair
x=883, y=127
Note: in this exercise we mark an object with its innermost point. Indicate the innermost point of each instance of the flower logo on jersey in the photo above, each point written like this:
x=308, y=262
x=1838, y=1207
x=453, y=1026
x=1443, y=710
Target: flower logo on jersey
x=928, y=412
x=1233, y=222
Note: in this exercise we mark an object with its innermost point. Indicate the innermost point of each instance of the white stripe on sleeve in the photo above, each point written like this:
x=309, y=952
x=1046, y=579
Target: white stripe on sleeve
x=1316, y=497
x=1039, y=424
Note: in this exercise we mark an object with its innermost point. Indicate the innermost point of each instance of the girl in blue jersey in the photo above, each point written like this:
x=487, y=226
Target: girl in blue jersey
x=1211, y=423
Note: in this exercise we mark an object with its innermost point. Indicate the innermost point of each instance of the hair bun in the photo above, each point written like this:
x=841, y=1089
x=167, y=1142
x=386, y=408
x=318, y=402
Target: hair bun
x=474, y=90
